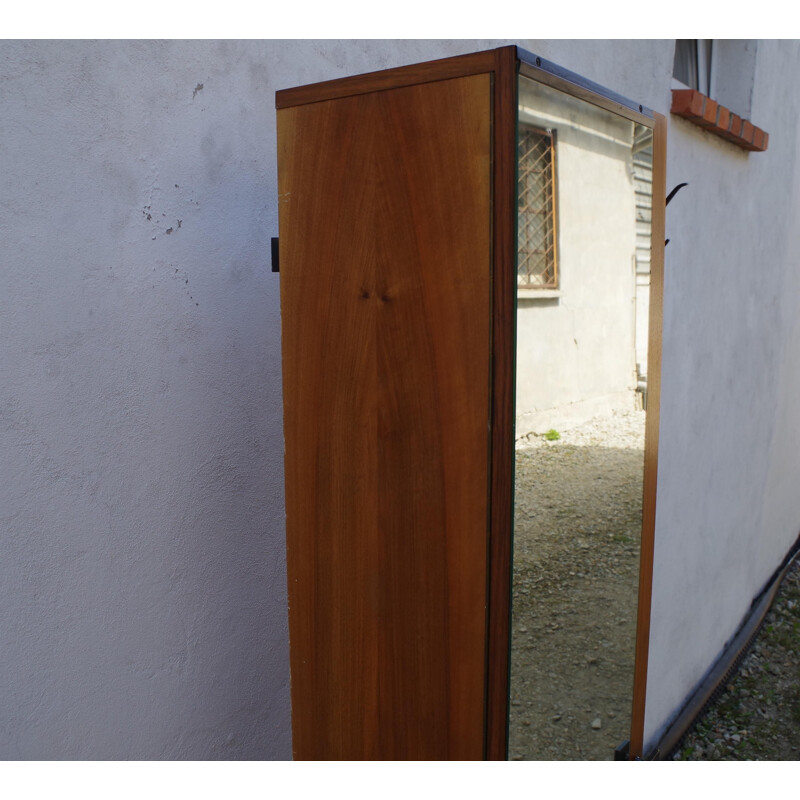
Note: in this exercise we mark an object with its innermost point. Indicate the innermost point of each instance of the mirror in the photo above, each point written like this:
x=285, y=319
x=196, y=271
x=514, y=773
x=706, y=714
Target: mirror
x=583, y=269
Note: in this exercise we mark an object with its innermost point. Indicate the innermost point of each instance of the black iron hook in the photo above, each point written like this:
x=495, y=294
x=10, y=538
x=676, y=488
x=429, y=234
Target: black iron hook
x=670, y=196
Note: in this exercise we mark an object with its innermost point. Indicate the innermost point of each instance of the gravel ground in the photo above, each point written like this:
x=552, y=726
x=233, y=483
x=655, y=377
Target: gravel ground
x=757, y=716
x=576, y=563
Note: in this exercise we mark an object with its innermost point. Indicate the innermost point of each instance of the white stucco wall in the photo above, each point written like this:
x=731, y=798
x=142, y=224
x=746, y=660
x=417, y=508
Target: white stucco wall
x=142, y=585
x=142, y=571
x=728, y=506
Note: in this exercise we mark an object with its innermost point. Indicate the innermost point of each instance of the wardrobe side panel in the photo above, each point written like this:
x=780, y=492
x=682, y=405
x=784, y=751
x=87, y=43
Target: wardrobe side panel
x=385, y=226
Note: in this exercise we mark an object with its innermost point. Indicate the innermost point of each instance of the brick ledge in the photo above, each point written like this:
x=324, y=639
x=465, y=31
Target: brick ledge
x=711, y=116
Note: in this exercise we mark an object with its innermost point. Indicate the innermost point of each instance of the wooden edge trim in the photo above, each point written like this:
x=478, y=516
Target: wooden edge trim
x=440, y=69
x=501, y=489
x=714, y=118
x=651, y=437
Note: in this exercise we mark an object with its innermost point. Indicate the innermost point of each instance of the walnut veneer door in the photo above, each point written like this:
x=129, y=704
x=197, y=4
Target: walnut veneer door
x=385, y=226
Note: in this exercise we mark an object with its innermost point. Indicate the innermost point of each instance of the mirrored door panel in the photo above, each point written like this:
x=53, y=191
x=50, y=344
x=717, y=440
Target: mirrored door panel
x=583, y=282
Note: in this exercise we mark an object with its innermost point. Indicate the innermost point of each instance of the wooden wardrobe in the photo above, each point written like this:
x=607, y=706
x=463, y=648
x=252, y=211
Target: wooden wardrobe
x=397, y=194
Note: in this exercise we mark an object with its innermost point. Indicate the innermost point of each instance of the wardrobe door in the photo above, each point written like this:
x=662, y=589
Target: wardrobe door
x=385, y=231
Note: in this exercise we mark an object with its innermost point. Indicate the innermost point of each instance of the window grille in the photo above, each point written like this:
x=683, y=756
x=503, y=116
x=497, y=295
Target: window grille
x=536, y=239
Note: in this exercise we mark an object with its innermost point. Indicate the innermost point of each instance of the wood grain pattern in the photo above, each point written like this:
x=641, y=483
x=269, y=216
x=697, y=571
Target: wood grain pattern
x=651, y=436
x=385, y=225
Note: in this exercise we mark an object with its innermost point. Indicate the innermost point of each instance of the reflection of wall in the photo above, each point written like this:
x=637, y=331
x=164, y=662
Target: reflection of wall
x=575, y=347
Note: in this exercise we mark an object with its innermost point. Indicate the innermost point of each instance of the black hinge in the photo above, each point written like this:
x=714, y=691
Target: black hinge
x=276, y=261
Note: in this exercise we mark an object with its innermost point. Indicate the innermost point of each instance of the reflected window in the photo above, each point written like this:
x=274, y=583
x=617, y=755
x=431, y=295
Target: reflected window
x=537, y=266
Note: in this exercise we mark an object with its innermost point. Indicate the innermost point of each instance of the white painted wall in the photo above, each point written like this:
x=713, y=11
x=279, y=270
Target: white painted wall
x=728, y=505
x=142, y=572
x=142, y=579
